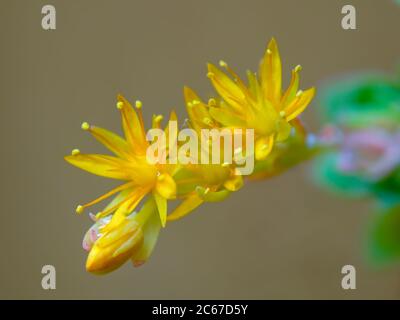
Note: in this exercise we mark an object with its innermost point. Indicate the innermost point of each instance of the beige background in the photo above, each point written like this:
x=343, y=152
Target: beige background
x=281, y=238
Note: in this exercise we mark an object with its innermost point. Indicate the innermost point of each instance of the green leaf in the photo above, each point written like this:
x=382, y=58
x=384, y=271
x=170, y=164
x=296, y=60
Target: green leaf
x=326, y=174
x=384, y=237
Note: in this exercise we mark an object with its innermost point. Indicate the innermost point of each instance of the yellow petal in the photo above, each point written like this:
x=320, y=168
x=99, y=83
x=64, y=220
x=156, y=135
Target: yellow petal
x=120, y=214
x=120, y=197
x=191, y=98
x=291, y=91
x=263, y=147
x=271, y=73
x=123, y=208
x=239, y=82
x=111, y=141
x=173, y=135
x=188, y=205
x=254, y=86
x=172, y=118
x=136, y=197
x=188, y=93
x=226, y=117
x=133, y=129
x=166, y=186
x=151, y=229
x=264, y=121
x=196, y=109
x=228, y=89
x=101, y=165
x=118, y=232
x=299, y=104
x=129, y=245
x=162, y=207
x=126, y=239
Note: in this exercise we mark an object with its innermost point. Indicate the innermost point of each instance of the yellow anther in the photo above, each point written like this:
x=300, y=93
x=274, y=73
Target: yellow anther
x=210, y=75
x=299, y=93
x=225, y=164
x=75, y=152
x=85, y=126
x=298, y=68
x=207, y=190
x=79, y=209
x=195, y=102
x=212, y=102
x=158, y=118
x=269, y=51
x=138, y=104
x=282, y=113
x=120, y=105
x=223, y=64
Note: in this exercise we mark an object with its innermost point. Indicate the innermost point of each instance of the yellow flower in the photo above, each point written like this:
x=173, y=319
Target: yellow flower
x=261, y=105
x=129, y=164
x=198, y=183
x=119, y=234
x=121, y=231
x=111, y=243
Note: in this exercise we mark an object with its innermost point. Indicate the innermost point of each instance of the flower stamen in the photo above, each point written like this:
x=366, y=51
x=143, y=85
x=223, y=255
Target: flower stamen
x=75, y=152
x=81, y=208
x=85, y=126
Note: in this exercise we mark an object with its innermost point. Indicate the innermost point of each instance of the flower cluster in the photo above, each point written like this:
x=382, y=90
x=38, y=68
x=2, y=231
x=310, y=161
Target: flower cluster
x=122, y=231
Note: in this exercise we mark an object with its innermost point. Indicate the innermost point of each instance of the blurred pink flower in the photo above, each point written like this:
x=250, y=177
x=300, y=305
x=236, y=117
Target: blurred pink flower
x=372, y=152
